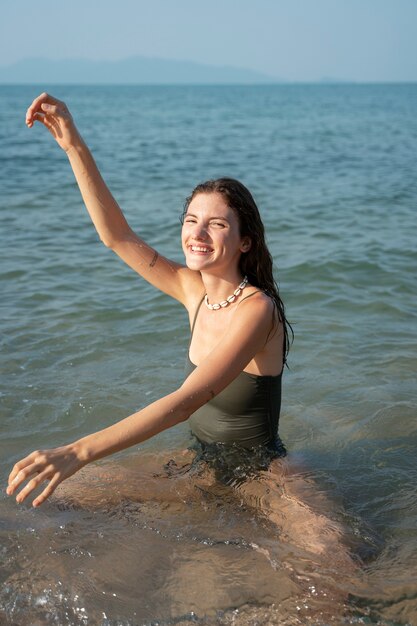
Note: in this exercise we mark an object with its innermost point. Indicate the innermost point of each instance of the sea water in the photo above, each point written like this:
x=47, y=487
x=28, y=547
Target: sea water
x=85, y=342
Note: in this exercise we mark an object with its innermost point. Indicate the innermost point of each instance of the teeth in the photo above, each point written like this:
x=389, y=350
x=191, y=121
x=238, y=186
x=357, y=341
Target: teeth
x=200, y=249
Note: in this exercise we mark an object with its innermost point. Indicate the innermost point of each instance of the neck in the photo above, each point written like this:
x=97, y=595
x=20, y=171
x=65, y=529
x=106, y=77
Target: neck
x=220, y=292
x=220, y=287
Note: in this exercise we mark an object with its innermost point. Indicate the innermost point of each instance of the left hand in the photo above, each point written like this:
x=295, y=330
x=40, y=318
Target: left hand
x=54, y=465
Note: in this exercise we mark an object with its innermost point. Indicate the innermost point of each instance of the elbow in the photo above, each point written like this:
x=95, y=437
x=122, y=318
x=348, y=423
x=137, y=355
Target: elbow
x=108, y=242
x=182, y=417
x=113, y=239
x=183, y=412
x=189, y=403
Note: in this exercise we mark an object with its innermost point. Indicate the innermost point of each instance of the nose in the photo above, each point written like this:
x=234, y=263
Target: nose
x=199, y=231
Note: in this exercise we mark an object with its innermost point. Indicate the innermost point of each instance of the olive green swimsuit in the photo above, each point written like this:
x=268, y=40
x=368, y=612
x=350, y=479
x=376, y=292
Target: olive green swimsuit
x=246, y=412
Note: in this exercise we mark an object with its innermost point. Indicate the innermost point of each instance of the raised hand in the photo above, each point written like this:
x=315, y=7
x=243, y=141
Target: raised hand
x=52, y=466
x=55, y=115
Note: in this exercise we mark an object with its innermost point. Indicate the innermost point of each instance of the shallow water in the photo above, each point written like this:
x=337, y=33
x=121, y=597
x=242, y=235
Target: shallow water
x=85, y=342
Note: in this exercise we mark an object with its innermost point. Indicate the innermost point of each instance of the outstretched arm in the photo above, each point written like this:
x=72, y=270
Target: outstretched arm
x=222, y=365
x=113, y=229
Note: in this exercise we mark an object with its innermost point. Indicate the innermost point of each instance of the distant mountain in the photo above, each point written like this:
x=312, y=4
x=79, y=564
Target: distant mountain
x=330, y=80
x=134, y=70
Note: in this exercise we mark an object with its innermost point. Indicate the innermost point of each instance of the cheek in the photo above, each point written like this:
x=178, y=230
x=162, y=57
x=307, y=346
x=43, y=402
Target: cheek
x=233, y=242
x=185, y=237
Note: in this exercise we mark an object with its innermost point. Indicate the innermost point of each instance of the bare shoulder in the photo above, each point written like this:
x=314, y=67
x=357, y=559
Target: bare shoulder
x=261, y=308
x=257, y=302
x=193, y=288
x=174, y=279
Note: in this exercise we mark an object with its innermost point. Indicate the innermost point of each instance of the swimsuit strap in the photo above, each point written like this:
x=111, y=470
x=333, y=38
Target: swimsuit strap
x=250, y=295
x=195, y=317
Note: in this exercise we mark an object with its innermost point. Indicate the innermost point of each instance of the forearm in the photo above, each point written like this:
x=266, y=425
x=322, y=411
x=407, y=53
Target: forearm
x=104, y=211
x=153, y=419
x=58, y=464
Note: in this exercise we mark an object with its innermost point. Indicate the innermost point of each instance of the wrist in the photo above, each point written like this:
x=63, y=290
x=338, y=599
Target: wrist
x=82, y=451
x=76, y=146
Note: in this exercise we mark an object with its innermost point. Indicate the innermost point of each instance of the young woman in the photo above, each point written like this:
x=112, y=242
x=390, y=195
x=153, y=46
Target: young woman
x=239, y=333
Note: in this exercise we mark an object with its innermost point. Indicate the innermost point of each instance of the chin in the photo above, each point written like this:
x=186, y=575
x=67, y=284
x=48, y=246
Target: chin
x=192, y=265
x=195, y=262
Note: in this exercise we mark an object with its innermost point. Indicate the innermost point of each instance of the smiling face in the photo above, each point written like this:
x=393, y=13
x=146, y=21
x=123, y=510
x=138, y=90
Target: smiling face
x=210, y=235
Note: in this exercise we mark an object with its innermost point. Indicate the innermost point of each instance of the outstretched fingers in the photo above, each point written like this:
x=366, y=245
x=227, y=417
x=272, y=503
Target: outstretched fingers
x=20, y=471
x=39, y=474
x=34, y=463
x=49, y=489
x=52, y=466
x=33, y=484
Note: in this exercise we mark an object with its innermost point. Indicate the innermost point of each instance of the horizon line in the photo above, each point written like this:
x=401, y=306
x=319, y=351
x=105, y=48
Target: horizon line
x=288, y=82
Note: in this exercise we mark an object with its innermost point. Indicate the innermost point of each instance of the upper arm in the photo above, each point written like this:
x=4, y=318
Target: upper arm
x=245, y=338
x=172, y=278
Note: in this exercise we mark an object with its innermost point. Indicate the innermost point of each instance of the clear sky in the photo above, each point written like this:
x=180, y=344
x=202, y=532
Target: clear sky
x=301, y=40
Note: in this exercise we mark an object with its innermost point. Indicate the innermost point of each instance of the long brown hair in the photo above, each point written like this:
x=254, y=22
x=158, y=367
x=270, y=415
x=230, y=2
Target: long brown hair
x=257, y=262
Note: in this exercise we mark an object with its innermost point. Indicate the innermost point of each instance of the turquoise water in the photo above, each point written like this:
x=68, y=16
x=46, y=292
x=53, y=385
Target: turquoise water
x=85, y=342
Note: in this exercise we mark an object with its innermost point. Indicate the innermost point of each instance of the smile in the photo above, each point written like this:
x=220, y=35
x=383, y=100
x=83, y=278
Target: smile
x=202, y=249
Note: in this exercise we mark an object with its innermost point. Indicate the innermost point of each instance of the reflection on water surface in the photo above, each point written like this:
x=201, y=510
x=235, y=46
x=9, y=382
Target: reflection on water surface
x=166, y=541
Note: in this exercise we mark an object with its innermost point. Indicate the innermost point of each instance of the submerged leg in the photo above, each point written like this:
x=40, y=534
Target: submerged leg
x=143, y=478
x=310, y=543
x=301, y=511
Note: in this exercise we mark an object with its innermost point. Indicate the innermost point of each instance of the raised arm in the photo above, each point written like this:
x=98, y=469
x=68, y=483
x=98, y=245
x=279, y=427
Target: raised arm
x=173, y=278
x=242, y=341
